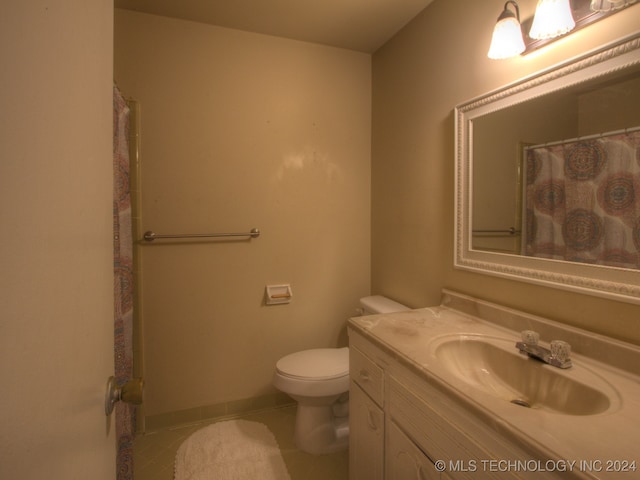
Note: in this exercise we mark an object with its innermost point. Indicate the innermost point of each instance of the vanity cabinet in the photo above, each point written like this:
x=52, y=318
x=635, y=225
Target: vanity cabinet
x=402, y=426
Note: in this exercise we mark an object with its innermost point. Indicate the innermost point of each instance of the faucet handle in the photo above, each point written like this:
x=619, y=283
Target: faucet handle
x=529, y=337
x=560, y=350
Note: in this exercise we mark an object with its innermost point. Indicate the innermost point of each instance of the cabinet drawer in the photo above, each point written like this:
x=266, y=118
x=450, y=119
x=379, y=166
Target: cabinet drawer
x=368, y=375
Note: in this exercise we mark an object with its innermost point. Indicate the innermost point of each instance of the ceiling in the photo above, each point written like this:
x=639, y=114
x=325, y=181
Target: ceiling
x=362, y=25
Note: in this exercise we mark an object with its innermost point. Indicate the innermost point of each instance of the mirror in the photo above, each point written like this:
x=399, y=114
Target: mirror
x=548, y=176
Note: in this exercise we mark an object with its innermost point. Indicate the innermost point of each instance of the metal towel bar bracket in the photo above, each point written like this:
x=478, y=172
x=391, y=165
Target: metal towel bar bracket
x=151, y=236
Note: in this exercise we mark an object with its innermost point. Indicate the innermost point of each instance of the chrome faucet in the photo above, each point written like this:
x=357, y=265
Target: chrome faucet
x=557, y=355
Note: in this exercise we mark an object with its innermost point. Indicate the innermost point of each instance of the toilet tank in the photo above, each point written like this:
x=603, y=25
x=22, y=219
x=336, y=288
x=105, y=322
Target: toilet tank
x=379, y=304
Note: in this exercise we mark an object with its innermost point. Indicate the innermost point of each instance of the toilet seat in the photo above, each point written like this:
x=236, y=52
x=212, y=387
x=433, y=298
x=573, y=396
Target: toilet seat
x=315, y=364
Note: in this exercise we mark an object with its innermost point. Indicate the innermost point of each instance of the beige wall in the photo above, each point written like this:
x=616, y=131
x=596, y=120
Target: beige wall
x=593, y=105
x=56, y=260
x=240, y=130
x=438, y=61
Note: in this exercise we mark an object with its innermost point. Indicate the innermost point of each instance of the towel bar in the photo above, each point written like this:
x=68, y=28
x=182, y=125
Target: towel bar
x=151, y=236
x=510, y=231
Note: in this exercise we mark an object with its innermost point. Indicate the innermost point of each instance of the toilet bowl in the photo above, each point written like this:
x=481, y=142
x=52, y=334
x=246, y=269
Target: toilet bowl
x=318, y=380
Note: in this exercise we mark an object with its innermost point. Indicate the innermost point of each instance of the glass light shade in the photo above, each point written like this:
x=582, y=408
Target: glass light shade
x=607, y=5
x=552, y=18
x=507, y=39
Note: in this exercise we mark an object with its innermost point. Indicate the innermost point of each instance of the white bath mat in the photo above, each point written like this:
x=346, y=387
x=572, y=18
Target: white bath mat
x=231, y=450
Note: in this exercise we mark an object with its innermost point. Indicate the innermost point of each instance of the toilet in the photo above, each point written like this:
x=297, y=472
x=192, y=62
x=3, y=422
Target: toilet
x=318, y=380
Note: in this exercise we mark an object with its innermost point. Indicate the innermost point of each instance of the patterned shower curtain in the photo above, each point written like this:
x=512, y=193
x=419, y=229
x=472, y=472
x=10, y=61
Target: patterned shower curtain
x=583, y=201
x=123, y=283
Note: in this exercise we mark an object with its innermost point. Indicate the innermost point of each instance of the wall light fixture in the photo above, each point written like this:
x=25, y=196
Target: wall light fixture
x=608, y=5
x=507, y=35
x=552, y=20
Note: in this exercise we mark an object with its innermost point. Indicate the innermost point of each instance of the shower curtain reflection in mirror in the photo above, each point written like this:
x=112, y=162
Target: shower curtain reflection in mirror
x=582, y=200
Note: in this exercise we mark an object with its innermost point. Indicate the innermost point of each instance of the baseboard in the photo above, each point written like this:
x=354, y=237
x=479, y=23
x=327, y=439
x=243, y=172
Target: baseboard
x=208, y=412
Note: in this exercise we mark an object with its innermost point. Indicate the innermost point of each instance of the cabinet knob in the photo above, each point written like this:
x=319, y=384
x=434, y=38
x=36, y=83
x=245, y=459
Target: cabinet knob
x=364, y=375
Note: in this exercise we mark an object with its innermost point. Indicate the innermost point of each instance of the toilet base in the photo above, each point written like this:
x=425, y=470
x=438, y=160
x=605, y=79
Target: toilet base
x=318, y=431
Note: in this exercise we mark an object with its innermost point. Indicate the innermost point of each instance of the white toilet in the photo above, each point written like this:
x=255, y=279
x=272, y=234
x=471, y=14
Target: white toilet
x=318, y=380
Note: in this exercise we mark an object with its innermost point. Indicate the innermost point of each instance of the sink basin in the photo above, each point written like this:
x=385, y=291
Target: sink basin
x=494, y=366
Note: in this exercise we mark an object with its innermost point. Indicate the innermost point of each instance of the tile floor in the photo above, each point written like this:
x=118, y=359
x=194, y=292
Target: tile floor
x=154, y=453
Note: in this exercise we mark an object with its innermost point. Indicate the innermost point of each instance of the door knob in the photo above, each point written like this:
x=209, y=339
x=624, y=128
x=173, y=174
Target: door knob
x=130, y=392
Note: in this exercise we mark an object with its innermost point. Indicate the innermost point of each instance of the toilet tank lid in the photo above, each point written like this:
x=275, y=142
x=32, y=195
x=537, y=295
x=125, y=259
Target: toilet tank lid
x=316, y=364
x=380, y=304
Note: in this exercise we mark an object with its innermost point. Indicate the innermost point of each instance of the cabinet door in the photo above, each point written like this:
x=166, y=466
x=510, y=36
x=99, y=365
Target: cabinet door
x=366, y=437
x=404, y=460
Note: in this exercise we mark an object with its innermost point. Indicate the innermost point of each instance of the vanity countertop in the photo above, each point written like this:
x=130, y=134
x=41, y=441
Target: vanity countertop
x=602, y=445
